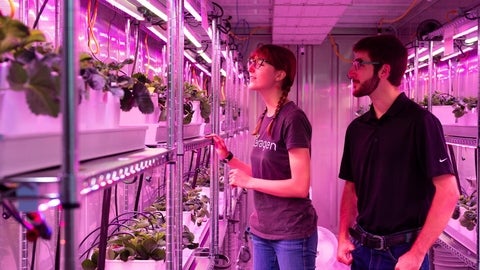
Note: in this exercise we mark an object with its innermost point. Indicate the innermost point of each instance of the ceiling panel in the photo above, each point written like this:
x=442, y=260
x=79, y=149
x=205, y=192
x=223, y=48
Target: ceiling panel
x=288, y=20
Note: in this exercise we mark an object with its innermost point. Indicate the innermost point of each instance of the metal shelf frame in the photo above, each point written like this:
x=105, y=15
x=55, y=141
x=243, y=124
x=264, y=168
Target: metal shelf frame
x=461, y=136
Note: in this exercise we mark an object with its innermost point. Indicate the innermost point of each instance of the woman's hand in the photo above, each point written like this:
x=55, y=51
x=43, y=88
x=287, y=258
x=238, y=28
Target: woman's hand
x=219, y=144
x=238, y=178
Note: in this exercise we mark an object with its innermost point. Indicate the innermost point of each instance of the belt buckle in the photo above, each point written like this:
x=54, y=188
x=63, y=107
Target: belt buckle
x=382, y=241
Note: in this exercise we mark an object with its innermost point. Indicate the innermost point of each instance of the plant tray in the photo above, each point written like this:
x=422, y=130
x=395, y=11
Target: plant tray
x=30, y=152
x=189, y=131
x=134, y=265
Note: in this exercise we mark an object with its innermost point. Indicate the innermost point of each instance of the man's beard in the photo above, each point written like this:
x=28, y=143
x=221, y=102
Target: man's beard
x=367, y=87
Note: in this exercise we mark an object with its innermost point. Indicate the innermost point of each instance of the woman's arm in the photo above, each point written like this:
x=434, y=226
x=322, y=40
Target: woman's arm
x=222, y=152
x=295, y=187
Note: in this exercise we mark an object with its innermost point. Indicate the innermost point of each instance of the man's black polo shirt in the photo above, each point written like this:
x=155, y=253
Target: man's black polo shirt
x=392, y=161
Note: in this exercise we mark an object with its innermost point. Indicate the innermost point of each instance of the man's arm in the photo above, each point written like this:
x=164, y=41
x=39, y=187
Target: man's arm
x=443, y=205
x=348, y=213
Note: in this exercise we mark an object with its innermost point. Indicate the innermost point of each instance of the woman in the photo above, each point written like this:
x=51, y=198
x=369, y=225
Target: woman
x=283, y=225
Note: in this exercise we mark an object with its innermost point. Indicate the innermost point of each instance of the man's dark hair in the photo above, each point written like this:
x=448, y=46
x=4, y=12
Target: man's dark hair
x=386, y=49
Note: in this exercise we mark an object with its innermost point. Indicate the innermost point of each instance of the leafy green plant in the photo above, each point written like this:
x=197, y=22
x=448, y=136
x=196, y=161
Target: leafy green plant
x=136, y=236
x=109, y=77
x=192, y=201
x=469, y=217
x=463, y=105
x=34, y=66
x=460, y=105
x=438, y=98
x=15, y=36
x=192, y=92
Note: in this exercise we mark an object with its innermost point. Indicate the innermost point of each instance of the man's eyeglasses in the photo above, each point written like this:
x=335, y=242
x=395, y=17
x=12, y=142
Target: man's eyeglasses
x=257, y=62
x=359, y=63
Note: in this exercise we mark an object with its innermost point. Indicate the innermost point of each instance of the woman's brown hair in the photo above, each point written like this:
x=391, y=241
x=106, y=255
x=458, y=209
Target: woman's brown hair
x=283, y=59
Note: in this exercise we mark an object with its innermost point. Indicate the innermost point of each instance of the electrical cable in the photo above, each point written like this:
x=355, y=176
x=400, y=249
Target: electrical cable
x=147, y=51
x=135, y=56
x=336, y=50
x=108, y=33
x=91, y=19
x=34, y=251
x=383, y=20
x=58, y=245
x=35, y=24
x=12, y=8
x=115, y=198
x=139, y=192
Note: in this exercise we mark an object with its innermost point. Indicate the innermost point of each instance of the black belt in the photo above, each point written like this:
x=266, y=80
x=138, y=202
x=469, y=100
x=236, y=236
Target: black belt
x=382, y=242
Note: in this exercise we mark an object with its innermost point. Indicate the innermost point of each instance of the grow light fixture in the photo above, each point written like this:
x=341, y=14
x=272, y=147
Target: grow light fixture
x=438, y=51
x=191, y=37
x=456, y=54
x=421, y=50
x=466, y=32
x=203, y=69
x=471, y=40
x=189, y=57
x=155, y=31
x=192, y=11
x=154, y=9
x=126, y=7
x=205, y=56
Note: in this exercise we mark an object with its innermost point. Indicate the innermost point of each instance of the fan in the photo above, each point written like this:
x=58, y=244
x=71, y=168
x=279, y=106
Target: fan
x=427, y=27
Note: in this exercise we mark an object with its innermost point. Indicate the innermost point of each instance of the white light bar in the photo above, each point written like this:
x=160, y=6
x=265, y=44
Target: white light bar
x=456, y=54
x=131, y=10
x=191, y=38
x=205, y=56
x=466, y=32
x=157, y=33
x=471, y=40
x=192, y=11
x=438, y=51
x=203, y=69
x=189, y=57
x=223, y=72
x=419, y=52
x=154, y=9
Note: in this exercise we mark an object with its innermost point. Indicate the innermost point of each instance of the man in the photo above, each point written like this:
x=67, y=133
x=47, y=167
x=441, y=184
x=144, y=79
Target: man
x=400, y=190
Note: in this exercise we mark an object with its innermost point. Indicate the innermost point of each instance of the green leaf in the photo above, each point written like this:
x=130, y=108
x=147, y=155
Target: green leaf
x=42, y=96
x=17, y=76
x=87, y=264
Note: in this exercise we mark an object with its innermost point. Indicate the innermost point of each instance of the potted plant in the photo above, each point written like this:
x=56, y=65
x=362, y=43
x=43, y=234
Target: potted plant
x=31, y=68
x=193, y=94
x=466, y=211
x=109, y=77
x=135, y=238
x=463, y=105
x=194, y=205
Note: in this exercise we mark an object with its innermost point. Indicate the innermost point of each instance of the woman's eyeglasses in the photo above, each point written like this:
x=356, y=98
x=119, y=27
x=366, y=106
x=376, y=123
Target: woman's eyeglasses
x=359, y=63
x=257, y=62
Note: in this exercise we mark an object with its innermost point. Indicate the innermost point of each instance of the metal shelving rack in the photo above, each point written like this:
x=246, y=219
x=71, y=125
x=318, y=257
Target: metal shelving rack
x=101, y=174
x=462, y=136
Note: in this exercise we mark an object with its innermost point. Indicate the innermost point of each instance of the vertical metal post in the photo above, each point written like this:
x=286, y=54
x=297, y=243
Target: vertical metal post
x=216, y=129
x=417, y=94
x=478, y=138
x=69, y=135
x=175, y=133
x=430, y=74
x=128, y=39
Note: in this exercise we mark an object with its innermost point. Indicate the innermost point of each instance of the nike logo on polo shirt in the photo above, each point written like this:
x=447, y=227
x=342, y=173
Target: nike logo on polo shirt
x=442, y=160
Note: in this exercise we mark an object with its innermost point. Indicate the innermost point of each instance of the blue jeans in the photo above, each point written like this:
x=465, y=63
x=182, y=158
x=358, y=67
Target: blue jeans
x=297, y=254
x=365, y=258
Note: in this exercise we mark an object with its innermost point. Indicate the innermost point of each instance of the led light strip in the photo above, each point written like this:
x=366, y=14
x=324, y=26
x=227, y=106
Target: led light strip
x=125, y=9
x=192, y=11
x=154, y=9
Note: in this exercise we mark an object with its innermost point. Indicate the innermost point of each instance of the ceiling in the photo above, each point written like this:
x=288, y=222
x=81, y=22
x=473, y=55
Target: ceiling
x=310, y=21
